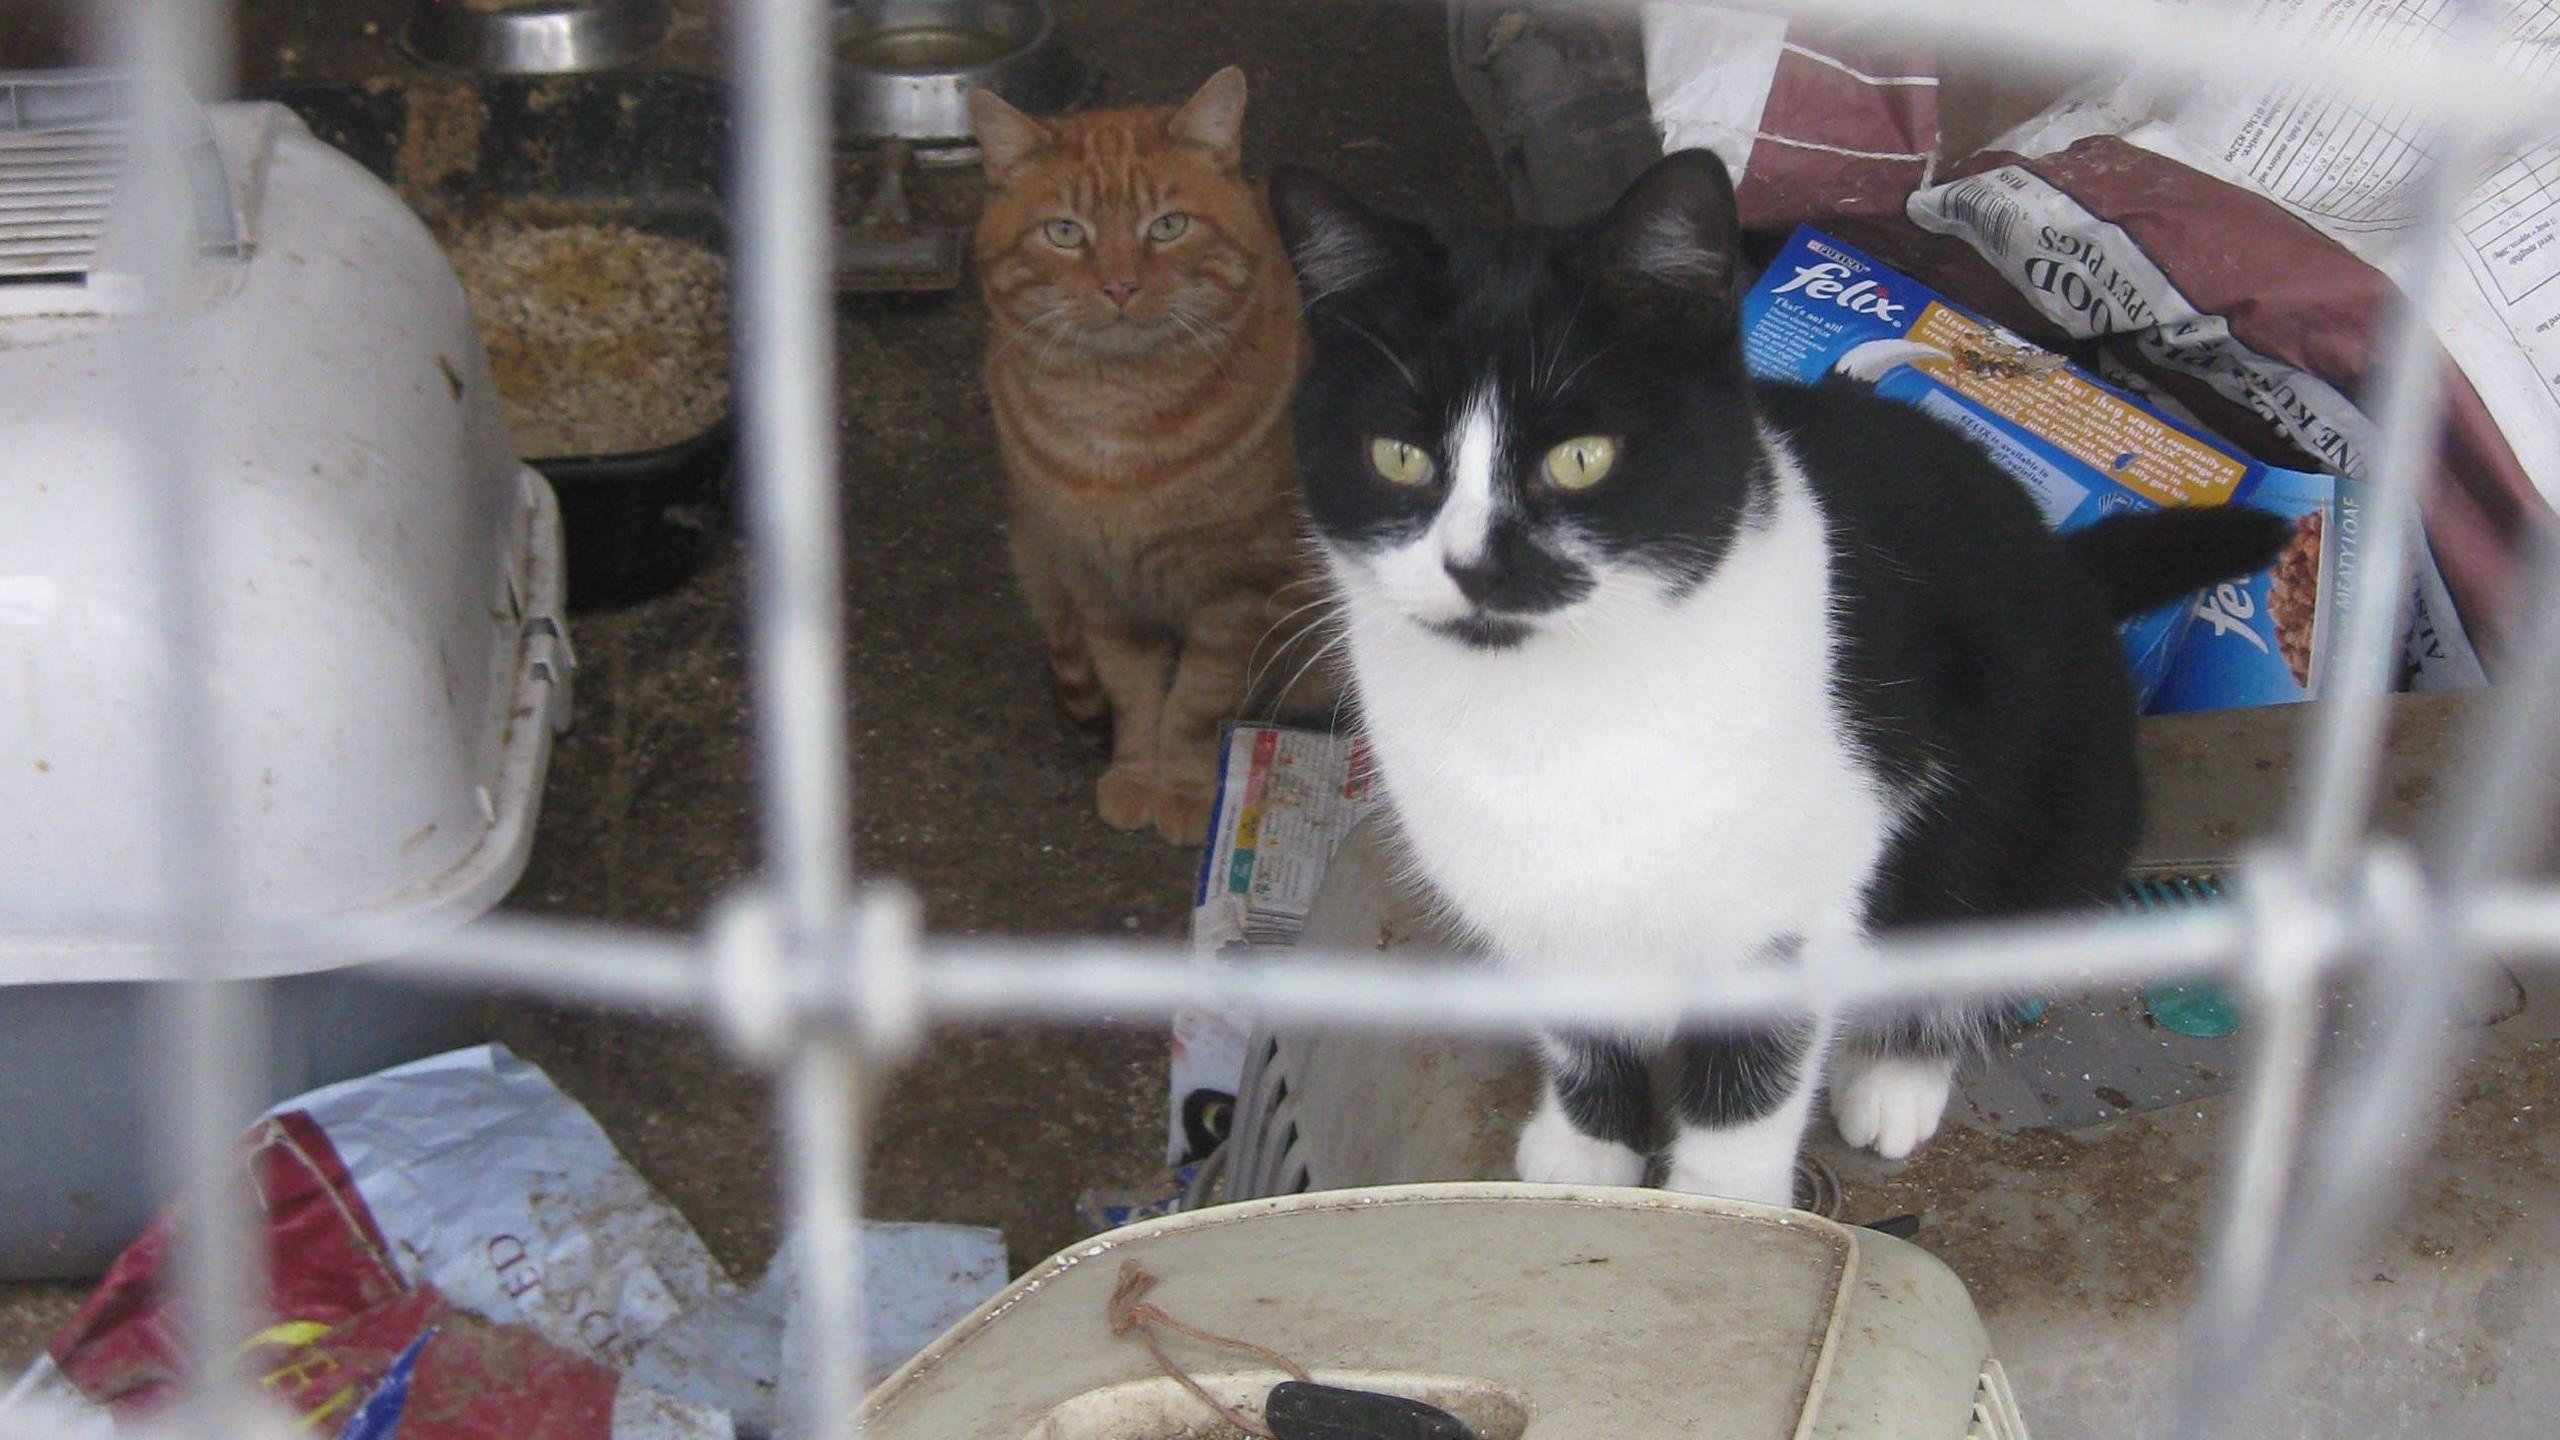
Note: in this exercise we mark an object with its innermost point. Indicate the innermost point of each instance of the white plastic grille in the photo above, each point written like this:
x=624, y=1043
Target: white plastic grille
x=64, y=142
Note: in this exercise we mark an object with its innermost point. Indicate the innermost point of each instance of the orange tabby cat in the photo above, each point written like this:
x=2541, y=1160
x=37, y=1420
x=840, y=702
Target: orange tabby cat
x=1146, y=343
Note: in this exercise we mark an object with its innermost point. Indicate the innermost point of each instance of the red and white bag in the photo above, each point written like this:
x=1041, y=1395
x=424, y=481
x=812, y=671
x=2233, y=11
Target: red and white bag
x=463, y=1200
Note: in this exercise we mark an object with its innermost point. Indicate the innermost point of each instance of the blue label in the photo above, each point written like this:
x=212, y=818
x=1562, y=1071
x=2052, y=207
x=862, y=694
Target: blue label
x=379, y=1417
x=1823, y=307
x=2262, y=640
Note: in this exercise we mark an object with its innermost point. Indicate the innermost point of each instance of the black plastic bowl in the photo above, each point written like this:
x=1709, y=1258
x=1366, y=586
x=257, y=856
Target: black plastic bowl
x=644, y=150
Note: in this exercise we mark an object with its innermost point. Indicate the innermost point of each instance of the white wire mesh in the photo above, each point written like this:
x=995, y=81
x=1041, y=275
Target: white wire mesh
x=824, y=984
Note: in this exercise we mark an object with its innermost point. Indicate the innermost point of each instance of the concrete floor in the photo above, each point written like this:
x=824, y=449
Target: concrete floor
x=2084, y=1250
x=968, y=786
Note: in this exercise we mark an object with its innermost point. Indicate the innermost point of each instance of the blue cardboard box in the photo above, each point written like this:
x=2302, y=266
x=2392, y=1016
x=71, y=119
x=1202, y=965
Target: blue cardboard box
x=2082, y=448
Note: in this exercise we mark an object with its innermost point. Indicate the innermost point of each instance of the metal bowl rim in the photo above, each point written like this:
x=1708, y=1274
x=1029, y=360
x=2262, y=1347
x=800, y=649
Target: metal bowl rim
x=1043, y=33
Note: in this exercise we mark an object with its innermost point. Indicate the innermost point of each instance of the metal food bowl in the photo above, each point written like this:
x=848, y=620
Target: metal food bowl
x=904, y=68
x=534, y=37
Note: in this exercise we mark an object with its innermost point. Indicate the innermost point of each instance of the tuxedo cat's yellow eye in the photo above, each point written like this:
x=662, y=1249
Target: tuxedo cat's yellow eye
x=1581, y=463
x=1168, y=227
x=1065, y=234
x=1398, y=463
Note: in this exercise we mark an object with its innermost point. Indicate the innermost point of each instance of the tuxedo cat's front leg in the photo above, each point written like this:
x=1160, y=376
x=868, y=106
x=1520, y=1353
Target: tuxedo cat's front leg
x=1594, y=1121
x=1743, y=1101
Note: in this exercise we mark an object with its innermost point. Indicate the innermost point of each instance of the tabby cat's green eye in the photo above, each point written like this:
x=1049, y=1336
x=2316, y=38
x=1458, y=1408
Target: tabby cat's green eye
x=1399, y=463
x=1065, y=234
x=1581, y=463
x=1168, y=227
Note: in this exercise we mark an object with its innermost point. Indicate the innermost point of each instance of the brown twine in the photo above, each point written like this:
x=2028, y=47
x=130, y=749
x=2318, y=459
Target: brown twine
x=1130, y=1310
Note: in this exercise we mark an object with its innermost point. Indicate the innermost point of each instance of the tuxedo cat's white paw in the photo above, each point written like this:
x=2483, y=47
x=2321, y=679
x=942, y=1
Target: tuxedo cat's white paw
x=1890, y=1104
x=1552, y=1152
x=1755, y=1162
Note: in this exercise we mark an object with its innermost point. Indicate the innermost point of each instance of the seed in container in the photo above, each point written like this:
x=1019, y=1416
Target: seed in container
x=603, y=339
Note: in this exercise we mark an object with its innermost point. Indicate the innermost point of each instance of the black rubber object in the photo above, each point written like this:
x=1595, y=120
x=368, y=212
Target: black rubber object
x=1297, y=1410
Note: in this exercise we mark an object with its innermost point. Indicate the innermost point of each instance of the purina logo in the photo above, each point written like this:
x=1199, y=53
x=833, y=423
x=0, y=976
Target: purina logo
x=1825, y=282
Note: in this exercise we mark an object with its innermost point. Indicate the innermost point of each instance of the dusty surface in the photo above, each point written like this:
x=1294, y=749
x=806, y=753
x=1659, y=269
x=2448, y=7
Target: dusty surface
x=968, y=786
x=2110, y=1218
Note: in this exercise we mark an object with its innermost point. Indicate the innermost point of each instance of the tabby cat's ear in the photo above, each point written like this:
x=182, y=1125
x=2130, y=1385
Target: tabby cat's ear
x=1006, y=136
x=1335, y=243
x=1214, y=118
x=1671, y=245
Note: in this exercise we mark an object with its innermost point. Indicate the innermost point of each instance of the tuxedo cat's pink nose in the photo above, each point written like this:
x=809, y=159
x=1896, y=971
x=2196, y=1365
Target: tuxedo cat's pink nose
x=1120, y=291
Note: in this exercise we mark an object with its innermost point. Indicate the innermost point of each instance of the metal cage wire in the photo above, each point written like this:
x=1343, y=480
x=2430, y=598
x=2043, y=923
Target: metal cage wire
x=825, y=984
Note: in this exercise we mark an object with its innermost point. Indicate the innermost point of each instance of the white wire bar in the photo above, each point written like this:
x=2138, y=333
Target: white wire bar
x=2237, y=1312
x=205, y=1027
x=822, y=984
x=786, y=385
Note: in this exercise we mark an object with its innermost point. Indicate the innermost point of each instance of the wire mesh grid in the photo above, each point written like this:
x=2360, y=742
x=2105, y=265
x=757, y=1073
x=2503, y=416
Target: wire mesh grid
x=826, y=983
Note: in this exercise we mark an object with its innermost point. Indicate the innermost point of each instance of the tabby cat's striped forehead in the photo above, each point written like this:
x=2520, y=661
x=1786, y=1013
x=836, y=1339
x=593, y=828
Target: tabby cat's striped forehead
x=1116, y=159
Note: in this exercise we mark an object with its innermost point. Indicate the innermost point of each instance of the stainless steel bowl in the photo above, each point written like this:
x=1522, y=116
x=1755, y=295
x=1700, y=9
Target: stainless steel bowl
x=534, y=37
x=904, y=68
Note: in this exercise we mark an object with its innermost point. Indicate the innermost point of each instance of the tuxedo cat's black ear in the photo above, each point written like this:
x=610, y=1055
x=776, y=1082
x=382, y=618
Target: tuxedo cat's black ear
x=1335, y=243
x=1672, y=243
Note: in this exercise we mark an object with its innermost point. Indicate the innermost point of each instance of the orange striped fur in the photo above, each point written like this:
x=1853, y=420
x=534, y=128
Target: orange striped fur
x=1140, y=372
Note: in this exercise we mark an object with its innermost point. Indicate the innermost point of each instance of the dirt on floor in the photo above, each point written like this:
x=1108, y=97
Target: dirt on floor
x=967, y=784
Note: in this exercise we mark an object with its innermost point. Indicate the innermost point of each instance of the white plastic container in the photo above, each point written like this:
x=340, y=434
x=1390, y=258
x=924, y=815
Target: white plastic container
x=384, y=666
x=1561, y=1313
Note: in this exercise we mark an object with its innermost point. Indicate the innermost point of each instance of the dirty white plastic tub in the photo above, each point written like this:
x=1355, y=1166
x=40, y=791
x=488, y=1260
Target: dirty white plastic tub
x=1561, y=1313
x=384, y=665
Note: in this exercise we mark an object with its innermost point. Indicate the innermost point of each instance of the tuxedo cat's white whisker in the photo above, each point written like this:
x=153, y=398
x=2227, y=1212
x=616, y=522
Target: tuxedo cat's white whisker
x=1595, y=357
x=1382, y=348
x=1337, y=642
x=1556, y=353
x=1256, y=666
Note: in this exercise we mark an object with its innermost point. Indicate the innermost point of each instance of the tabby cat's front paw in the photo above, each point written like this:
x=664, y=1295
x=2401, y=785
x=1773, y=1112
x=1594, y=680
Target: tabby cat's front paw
x=1126, y=796
x=1553, y=1152
x=1182, y=811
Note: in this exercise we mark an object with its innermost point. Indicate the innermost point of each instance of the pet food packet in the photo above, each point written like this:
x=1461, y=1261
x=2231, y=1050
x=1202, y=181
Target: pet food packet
x=2268, y=639
x=2244, y=246
x=1286, y=798
x=2082, y=448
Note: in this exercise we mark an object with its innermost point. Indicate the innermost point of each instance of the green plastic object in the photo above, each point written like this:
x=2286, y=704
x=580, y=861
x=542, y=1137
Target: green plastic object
x=2199, y=1008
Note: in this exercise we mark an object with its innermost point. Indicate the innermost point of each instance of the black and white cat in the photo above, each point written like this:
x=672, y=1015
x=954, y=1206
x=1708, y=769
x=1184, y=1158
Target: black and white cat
x=1662, y=668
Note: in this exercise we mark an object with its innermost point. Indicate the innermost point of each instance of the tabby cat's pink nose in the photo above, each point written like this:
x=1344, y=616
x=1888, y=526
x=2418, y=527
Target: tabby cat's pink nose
x=1120, y=290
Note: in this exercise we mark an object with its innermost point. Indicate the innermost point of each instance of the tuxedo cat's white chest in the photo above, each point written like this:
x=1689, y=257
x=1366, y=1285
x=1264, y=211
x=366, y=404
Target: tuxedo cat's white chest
x=1669, y=783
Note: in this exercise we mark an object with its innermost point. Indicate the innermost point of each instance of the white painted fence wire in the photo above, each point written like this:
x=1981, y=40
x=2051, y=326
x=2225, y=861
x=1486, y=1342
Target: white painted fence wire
x=825, y=984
